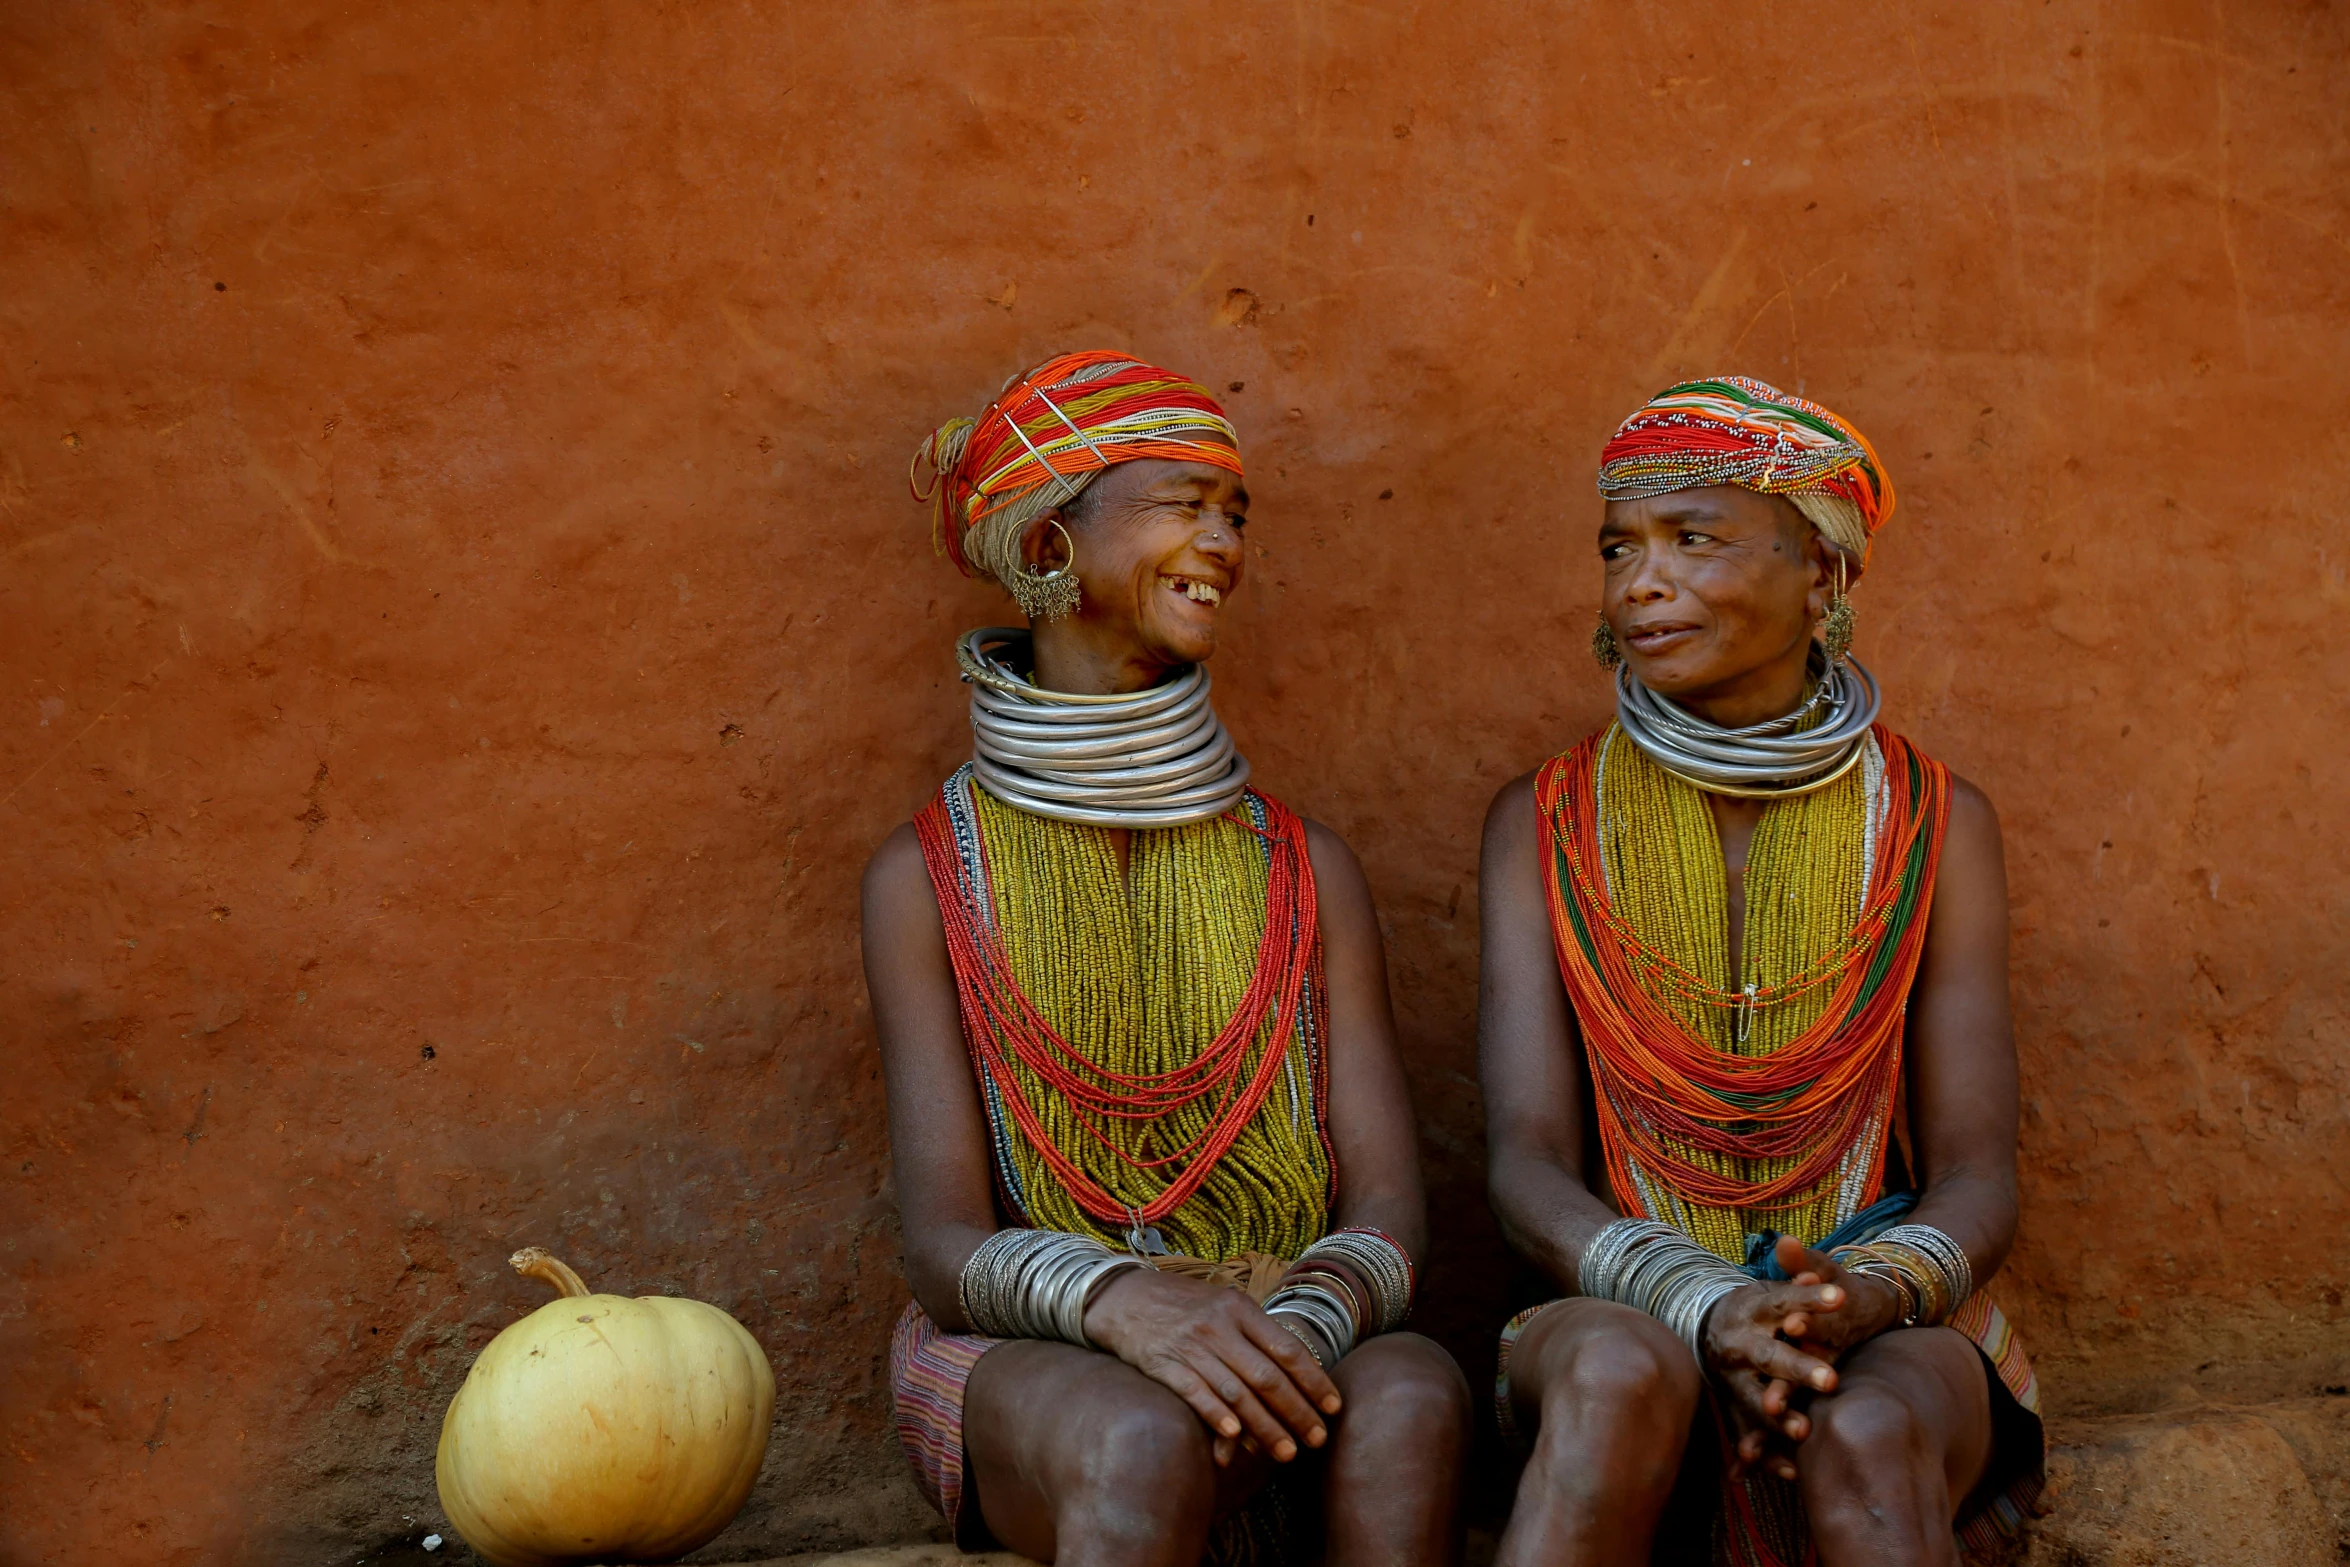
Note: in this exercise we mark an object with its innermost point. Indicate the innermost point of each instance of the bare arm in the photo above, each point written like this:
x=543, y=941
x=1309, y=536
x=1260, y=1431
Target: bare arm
x=1962, y=1075
x=937, y=1131
x=1529, y=1053
x=1371, y=1126
x=1961, y=1070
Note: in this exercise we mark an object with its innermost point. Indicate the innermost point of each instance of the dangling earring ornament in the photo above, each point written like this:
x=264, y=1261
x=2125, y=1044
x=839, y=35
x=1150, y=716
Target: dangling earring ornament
x=1603, y=644
x=1837, y=625
x=1048, y=595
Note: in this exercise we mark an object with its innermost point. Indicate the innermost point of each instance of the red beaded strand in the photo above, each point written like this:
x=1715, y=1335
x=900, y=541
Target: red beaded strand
x=1001, y=1024
x=1663, y=1090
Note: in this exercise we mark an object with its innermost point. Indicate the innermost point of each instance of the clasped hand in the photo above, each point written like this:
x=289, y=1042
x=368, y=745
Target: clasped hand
x=1244, y=1374
x=1769, y=1341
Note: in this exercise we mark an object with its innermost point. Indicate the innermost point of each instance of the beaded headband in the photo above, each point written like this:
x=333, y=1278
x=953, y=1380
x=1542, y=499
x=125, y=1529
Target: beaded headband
x=1059, y=424
x=1734, y=429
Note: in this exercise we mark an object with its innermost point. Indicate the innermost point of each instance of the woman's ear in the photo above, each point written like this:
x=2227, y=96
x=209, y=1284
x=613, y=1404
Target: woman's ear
x=1833, y=572
x=1824, y=562
x=1044, y=543
x=1841, y=567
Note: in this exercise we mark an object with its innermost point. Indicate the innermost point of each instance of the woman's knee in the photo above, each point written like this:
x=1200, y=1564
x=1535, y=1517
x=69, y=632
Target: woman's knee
x=1866, y=1428
x=1622, y=1367
x=1145, y=1446
x=1403, y=1382
x=1873, y=1478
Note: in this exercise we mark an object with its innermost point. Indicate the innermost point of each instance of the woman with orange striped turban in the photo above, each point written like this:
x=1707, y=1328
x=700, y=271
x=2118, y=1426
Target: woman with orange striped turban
x=1154, y=1163
x=1757, y=941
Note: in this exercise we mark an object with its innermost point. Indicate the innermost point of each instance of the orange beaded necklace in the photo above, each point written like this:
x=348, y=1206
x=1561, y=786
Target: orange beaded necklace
x=1681, y=1119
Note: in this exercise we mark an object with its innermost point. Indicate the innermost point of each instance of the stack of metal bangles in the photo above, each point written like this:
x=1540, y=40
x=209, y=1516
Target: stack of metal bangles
x=1926, y=1268
x=1037, y=1284
x=1324, y=1305
x=1654, y=1268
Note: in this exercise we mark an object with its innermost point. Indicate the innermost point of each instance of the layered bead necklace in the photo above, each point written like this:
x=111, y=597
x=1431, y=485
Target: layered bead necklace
x=1146, y=1037
x=1721, y=1102
x=1147, y=1027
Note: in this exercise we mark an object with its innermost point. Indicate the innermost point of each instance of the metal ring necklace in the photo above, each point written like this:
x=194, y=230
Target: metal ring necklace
x=1155, y=758
x=1765, y=760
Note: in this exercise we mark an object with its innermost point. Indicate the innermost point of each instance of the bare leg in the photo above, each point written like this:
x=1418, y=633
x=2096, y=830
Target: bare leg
x=1078, y=1459
x=1391, y=1491
x=1892, y=1453
x=1611, y=1394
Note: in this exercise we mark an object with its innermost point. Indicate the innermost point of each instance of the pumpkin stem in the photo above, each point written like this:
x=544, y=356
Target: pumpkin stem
x=536, y=1262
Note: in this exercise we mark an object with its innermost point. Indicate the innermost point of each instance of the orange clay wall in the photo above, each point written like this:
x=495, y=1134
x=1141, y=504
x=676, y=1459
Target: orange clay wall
x=464, y=627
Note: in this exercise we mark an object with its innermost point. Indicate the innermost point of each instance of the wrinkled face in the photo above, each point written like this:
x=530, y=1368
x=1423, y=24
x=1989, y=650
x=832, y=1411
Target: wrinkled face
x=1158, y=553
x=1709, y=588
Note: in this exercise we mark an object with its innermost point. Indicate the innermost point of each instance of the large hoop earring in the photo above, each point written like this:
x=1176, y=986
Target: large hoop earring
x=1603, y=644
x=1048, y=595
x=1836, y=627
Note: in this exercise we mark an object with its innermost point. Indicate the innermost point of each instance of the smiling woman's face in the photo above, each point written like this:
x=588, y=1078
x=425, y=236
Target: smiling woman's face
x=1158, y=553
x=1712, y=593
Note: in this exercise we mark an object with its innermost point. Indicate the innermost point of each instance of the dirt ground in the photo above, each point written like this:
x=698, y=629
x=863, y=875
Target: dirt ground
x=463, y=628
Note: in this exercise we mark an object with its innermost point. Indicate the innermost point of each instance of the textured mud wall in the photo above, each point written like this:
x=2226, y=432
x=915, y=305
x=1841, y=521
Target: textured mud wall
x=463, y=627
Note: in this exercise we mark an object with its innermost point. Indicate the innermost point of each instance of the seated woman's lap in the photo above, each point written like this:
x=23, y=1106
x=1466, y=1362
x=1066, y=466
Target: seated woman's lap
x=1059, y=1437
x=1924, y=1393
x=1620, y=1380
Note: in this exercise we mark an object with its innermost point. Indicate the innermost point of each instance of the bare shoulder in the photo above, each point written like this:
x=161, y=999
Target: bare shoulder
x=896, y=870
x=1970, y=891
x=1334, y=862
x=1509, y=820
x=1974, y=820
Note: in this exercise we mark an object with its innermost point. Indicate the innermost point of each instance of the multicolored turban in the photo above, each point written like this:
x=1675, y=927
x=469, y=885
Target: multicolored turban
x=1734, y=429
x=1046, y=436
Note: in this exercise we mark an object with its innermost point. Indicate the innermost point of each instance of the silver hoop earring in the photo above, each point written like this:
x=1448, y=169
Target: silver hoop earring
x=1048, y=595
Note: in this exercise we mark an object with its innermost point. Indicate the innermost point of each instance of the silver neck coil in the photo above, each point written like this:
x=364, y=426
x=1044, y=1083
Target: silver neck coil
x=1774, y=757
x=1155, y=758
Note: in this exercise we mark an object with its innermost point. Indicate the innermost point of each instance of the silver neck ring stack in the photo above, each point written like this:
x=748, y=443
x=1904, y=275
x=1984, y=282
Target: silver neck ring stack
x=1765, y=760
x=1155, y=758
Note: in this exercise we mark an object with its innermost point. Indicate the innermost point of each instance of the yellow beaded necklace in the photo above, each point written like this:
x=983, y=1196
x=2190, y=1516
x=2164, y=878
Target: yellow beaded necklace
x=1139, y=973
x=1806, y=876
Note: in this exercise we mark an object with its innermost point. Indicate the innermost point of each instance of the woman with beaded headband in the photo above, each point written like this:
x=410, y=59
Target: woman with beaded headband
x=1756, y=942
x=1154, y=1160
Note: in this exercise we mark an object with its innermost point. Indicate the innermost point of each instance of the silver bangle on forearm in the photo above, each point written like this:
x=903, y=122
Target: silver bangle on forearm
x=1311, y=1303
x=1926, y=1267
x=1037, y=1284
x=1383, y=1265
x=1654, y=1268
x=1947, y=1255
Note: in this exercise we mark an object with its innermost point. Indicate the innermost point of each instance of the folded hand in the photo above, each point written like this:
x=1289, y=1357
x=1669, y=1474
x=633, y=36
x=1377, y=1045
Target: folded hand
x=1750, y=1358
x=1243, y=1373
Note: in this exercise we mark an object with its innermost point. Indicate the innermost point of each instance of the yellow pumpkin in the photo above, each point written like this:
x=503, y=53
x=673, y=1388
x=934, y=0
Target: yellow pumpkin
x=603, y=1429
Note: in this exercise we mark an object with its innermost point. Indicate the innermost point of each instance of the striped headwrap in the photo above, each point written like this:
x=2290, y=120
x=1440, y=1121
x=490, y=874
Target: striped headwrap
x=1046, y=436
x=1734, y=429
